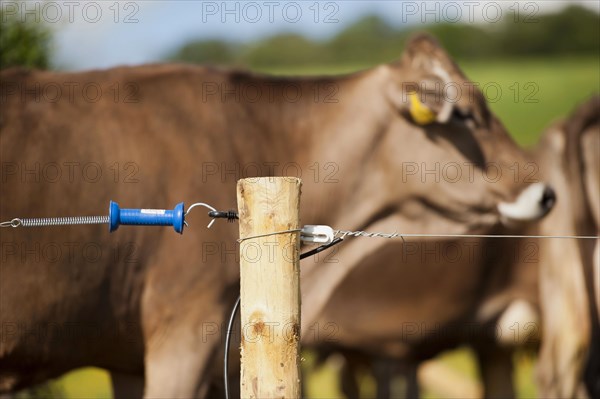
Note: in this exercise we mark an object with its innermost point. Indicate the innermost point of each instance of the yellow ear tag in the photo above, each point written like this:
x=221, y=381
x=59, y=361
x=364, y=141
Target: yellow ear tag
x=419, y=111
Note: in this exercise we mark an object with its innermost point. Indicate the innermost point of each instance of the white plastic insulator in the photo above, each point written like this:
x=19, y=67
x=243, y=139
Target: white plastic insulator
x=317, y=234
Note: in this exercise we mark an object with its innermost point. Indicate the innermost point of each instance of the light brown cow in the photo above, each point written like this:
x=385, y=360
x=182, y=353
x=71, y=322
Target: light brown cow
x=148, y=302
x=415, y=304
x=569, y=157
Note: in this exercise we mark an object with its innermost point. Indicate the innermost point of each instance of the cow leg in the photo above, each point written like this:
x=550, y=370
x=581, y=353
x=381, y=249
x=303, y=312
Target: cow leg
x=596, y=276
x=592, y=370
x=412, y=382
x=383, y=373
x=348, y=379
x=127, y=386
x=496, y=368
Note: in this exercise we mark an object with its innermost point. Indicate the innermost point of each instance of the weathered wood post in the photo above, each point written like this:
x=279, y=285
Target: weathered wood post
x=270, y=287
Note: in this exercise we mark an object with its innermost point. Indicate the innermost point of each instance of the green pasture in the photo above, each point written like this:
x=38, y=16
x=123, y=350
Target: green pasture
x=536, y=92
x=533, y=94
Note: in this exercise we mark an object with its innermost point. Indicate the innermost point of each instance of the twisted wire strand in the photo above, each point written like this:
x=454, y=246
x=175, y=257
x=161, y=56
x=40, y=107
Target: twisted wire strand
x=345, y=233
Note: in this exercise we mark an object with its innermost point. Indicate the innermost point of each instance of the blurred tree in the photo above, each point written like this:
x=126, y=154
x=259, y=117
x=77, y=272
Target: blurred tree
x=23, y=43
x=209, y=51
x=466, y=41
x=583, y=30
x=371, y=40
x=284, y=50
x=574, y=30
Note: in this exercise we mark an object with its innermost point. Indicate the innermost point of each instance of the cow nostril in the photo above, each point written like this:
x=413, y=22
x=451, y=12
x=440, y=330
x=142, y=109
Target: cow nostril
x=548, y=198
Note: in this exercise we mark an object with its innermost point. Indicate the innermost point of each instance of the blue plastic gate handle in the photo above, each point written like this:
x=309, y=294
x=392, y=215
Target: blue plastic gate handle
x=146, y=217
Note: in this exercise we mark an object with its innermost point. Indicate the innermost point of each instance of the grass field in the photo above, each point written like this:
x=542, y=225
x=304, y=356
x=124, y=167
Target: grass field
x=533, y=93
x=547, y=90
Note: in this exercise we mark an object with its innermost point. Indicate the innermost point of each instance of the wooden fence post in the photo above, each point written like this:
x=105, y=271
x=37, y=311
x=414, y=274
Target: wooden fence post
x=270, y=287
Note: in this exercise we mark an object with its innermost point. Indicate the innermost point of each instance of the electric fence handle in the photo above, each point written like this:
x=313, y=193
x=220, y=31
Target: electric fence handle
x=146, y=217
x=116, y=217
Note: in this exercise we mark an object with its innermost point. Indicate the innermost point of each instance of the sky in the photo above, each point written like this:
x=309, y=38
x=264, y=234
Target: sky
x=105, y=33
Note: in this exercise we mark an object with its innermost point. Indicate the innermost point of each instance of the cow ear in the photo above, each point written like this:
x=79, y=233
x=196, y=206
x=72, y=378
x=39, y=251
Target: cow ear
x=422, y=50
x=428, y=100
x=422, y=90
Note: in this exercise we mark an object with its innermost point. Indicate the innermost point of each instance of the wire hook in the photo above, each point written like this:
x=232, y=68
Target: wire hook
x=16, y=222
x=204, y=205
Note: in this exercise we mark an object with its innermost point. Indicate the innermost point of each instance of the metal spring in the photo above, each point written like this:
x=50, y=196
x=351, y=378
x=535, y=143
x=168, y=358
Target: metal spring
x=63, y=221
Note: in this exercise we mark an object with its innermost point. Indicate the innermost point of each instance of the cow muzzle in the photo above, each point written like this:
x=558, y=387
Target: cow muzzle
x=532, y=204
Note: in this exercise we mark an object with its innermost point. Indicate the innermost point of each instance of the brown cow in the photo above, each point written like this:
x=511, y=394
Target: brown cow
x=569, y=157
x=155, y=135
x=415, y=304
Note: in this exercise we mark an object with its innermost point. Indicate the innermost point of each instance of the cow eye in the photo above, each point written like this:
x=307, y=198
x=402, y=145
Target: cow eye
x=464, y=116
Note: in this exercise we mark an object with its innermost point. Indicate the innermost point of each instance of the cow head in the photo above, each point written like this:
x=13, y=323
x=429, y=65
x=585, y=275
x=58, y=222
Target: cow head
x=455, y=162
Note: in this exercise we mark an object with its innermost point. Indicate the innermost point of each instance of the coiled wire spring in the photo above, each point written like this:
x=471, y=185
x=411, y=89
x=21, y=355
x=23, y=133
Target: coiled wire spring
x=62, y=221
